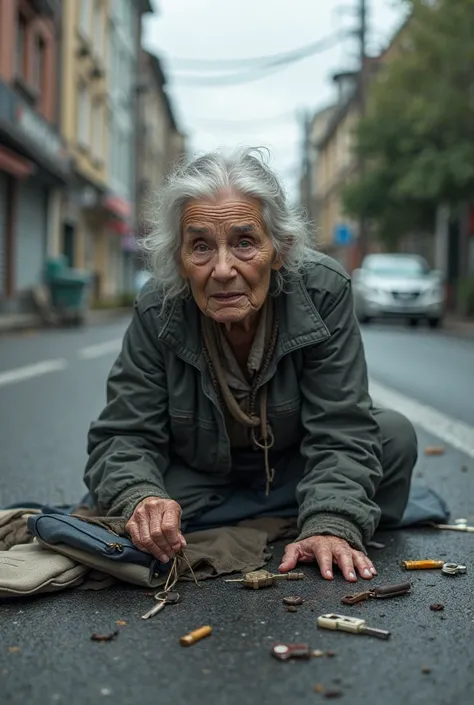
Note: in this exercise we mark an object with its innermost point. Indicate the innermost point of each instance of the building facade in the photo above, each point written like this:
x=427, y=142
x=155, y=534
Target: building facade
x=160, y=144
x=34, y=165
x=100, y=59
x=336, y=163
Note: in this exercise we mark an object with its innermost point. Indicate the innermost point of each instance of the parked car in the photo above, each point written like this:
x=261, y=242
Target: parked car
x=141, y=278
x=398, y=286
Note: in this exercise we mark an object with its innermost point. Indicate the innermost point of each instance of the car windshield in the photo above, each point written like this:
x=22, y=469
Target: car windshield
x=396, y=266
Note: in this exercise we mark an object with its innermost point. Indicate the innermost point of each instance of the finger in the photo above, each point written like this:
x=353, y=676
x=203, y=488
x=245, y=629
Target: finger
x=290, y=558
x=132, y=529
x=156, y=540
x=324, y=557
x=170, y=525
x=150, y=544
x=345, y=563
x=363, y=565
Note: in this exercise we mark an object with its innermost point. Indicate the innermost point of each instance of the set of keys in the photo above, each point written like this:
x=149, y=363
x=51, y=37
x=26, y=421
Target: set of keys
x=167, y=597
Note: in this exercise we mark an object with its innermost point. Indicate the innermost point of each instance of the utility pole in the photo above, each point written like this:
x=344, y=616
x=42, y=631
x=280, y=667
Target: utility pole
x=362, y=88
x=307, y=164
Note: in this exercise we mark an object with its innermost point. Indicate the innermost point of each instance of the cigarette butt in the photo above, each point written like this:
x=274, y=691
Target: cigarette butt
x=435, y=450
x=195, y=636
x=421, y=565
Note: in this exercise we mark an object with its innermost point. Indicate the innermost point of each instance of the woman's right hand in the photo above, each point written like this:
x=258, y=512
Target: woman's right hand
x=155, y=527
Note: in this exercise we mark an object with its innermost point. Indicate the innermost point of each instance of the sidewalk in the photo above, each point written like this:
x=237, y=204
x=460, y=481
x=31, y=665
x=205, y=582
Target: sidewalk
x=462, y=326
x=11, y=323
x=30, y=321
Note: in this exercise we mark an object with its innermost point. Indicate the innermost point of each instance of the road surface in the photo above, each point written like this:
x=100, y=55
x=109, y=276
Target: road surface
x=53, y=383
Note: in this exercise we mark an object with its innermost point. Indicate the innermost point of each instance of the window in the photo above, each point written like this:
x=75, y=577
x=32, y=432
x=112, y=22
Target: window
x=98, y=29
x=85, y=17
x=83, y=116
x=97, y=131
x=39, y=52
x=21, y=68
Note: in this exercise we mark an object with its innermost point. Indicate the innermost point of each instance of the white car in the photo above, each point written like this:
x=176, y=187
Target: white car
x=398, y=286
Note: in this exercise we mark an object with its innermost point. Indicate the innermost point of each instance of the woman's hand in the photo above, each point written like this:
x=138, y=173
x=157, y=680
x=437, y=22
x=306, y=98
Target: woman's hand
x=327, y=550
x=155, y=527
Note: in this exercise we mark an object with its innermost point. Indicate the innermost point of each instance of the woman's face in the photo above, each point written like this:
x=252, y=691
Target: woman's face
x=227, y=256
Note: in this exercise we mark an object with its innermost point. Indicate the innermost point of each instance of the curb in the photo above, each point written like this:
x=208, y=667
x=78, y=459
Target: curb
x=32, y=322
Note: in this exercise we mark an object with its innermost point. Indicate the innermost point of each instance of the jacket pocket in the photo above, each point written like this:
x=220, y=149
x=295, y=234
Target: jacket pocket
x=285, y=421
x=194, y=440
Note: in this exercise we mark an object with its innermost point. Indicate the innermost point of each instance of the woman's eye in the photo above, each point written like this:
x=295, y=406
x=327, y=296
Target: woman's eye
x=201, y=247
x=245, y=244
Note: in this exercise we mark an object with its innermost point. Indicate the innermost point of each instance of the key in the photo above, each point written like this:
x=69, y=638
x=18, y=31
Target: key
x=285, y=652
x=163, y=599
x=353, y=625
x=453, y=569
x=379, y=593
x=257, y=579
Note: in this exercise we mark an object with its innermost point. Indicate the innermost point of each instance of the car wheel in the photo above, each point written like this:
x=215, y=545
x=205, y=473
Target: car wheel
x=413, y=322
x=434, y=322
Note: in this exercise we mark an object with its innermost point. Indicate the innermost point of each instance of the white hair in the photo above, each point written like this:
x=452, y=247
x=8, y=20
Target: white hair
x=247, y=172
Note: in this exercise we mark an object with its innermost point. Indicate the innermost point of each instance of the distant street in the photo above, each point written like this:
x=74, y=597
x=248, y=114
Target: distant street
x=53, y=383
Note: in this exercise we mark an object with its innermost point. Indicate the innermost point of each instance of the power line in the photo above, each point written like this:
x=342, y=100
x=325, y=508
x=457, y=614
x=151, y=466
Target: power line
x=263, y=71
x=228, y=80
x=217, y=64
x=258, y=122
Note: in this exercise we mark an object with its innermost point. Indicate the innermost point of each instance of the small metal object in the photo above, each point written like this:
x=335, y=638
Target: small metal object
x=195, y=636
x=377, y=593
x=421, y=565
x=257, y=579
x=293, y=600
x=459, y=525
x=338, y=622
x=453, y=569
x=163, y=598
x=285, y=652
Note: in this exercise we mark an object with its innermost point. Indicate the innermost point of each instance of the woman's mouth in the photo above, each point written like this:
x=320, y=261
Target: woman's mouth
x=228, y=298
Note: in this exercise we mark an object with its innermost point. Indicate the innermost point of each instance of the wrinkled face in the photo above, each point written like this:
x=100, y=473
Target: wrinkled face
x=227, y=256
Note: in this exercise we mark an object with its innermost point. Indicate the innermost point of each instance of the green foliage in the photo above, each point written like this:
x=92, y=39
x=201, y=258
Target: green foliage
x=417, y=140
x=465, y=294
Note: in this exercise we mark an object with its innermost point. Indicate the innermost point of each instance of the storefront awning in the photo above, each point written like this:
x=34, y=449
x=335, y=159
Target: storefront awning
x=14, y=165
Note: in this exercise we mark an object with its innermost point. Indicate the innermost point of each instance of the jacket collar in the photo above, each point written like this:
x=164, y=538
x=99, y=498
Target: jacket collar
x=299, y=325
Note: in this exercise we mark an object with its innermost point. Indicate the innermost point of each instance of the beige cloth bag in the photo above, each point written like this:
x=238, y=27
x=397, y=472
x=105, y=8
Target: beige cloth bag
x=30, y=569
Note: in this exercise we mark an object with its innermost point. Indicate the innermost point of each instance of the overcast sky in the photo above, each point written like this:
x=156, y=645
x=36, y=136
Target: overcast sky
x=226, y=29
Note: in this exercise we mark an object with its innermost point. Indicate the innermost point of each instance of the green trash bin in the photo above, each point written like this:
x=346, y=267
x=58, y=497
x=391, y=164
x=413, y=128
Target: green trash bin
x=69, y=289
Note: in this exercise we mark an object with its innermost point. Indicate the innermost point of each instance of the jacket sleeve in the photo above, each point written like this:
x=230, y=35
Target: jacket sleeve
x=128, y=444
x=342, y=441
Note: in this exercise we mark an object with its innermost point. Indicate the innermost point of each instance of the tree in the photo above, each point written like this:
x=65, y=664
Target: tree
x=417, y=139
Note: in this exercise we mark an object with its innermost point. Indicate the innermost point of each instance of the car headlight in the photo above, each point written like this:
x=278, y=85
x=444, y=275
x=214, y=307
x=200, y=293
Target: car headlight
x=436, y=291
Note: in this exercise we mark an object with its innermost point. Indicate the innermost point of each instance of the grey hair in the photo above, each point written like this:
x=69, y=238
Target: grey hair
x=247, y=172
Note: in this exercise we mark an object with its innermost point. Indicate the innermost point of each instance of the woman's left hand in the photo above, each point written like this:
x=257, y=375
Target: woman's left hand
x=327, y=550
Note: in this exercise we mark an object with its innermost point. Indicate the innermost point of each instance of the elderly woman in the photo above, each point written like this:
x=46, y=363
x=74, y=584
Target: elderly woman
x=241, y=387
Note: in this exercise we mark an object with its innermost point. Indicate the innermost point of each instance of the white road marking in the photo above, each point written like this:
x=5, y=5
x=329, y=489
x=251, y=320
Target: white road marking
x=107, y=348
x=455, y=433
x=28, y=371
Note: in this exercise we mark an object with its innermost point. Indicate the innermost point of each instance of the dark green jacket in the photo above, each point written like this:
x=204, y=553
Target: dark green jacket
x=161, y=405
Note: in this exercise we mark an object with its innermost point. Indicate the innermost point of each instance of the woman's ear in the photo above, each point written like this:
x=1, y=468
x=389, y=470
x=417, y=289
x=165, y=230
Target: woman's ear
x=278, y=262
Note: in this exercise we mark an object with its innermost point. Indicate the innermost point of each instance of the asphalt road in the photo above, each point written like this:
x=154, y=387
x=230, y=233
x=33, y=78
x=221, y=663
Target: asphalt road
x=52, y=384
